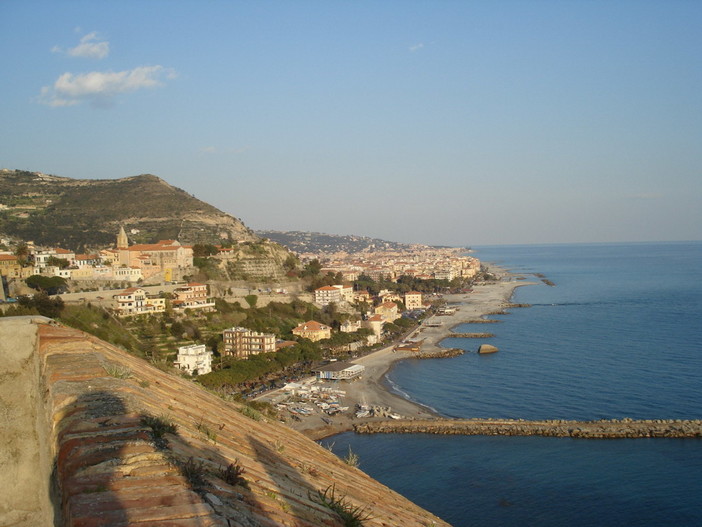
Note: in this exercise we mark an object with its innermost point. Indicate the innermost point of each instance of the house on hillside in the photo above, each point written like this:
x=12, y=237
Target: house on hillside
x=389, y=310
x=194, y=359
x=312, y=330
x=135, y=301
x=192, y=296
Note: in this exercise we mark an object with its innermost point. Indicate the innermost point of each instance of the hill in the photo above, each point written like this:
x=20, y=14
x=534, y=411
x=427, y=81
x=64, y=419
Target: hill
x=317, y=242
x=79, y=213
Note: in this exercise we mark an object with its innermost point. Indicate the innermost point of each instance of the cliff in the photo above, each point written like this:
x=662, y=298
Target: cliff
x=95, y=436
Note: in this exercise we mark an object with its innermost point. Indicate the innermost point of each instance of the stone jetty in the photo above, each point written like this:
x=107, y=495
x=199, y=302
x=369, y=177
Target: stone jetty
x=602, y=429
x=471, y=335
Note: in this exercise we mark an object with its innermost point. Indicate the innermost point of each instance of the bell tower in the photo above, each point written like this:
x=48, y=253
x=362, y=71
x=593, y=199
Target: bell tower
x=122, y=241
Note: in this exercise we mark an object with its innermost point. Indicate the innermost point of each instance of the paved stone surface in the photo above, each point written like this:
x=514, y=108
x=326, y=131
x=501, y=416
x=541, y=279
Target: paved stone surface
x=116, y=463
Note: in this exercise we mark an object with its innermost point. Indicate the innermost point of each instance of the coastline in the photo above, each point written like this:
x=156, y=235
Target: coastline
x=373, y=388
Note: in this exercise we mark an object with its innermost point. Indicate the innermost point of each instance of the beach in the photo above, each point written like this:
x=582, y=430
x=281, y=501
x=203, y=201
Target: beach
x=372, y=389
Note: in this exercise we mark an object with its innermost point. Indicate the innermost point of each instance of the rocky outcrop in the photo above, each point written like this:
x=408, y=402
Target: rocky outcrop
x=126, y=444
x=602, y=429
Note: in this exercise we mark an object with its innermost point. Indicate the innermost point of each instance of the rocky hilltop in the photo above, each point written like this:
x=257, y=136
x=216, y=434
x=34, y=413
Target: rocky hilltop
x=80, y=213
x=94, y=436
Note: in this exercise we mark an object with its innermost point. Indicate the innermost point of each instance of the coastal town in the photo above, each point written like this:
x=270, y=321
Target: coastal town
x=348, y=305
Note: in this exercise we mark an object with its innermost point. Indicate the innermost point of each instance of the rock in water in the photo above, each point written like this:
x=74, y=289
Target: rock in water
x=486, y=348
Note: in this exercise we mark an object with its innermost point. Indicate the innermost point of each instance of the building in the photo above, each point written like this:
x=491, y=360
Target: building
x=10, y=267
x=194, y=359
x=312, y=330
x=151, y=258
x=413, y=300
x=350, y=326
x=135, y=301
x=327, y=295
x=375, y=324
x=192, y=296
x=388, y=310
x=243, y=342
x=337, y=371
x=333, y=294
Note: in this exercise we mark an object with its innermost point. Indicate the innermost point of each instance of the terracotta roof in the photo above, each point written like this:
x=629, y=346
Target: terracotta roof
x=311, y=325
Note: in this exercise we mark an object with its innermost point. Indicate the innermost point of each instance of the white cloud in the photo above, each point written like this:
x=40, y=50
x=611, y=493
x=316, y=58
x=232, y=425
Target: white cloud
x=416, y=47
x=91, y=46
x=100, y=87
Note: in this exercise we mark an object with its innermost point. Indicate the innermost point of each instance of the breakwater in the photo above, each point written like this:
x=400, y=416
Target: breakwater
x=443, y=354
x=471, y=335
x=601, y=429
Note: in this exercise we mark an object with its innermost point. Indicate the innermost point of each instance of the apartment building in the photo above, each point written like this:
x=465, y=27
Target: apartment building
x=135, y=301
x=243, y=342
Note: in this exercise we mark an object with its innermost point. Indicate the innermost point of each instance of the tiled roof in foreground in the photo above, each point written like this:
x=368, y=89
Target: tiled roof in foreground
x=101, y=420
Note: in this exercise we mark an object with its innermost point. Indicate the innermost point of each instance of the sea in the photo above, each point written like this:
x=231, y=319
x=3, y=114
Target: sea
x=619, y=334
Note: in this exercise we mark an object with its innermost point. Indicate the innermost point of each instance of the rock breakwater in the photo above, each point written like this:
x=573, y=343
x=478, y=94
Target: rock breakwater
x=602, y=429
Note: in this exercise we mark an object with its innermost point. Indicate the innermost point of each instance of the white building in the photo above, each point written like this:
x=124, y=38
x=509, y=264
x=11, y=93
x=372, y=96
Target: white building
x=194, y=359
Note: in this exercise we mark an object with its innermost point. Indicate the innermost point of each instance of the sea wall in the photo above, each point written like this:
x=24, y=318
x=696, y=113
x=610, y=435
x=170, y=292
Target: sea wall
x=602, y=429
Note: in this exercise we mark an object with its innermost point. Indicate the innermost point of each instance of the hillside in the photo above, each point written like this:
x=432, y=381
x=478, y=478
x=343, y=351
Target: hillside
x=79, y=213
x=95, y=436
x=317, y=242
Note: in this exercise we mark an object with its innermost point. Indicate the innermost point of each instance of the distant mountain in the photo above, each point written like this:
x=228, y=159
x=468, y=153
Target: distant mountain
x=79, y=214
x=317, y=242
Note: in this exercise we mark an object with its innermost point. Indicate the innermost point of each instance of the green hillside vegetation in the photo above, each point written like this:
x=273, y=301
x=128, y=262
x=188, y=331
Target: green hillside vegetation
x=157, y=337
x=80, y=214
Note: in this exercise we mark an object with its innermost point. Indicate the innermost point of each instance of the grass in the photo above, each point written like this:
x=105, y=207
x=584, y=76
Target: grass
x=251, y=413
x=160, y=426
x=118, y=371
x=351, y=515
x=206, y=431
x=352, y=459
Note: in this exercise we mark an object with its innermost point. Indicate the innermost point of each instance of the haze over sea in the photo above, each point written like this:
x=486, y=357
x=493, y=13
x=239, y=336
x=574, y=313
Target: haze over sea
x=620, y=335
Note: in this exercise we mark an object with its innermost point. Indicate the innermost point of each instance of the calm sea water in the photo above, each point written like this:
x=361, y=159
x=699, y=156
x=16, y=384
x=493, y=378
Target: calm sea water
x=620, y=335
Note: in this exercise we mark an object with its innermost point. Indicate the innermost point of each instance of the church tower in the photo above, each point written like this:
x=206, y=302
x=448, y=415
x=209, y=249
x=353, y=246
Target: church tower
x=122, y=241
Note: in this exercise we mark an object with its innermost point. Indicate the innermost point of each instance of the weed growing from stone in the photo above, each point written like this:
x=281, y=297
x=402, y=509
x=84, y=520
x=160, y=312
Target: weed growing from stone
x=351, y=516
x=194, y=472
x=160, y=426
x=234, y=474
x=207, y=431
x=118, y=371
x=251, y=413
x=352, y=459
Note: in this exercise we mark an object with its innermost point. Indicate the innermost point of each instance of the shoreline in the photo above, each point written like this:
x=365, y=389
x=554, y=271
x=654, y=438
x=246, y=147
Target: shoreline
x=374, y=389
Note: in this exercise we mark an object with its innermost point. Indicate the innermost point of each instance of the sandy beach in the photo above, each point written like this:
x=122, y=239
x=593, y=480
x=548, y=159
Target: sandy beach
x=371, y=388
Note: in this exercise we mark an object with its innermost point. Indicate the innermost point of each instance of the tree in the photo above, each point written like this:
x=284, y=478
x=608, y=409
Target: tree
x=312, y=268
x=22, y=254
x=61, y=263
x=251, y=300
x=51, y=285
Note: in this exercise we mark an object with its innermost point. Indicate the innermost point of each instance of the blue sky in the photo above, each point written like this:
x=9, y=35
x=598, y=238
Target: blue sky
x=440, y=122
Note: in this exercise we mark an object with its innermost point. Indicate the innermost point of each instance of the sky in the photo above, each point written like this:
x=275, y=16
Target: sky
x=437, y=122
